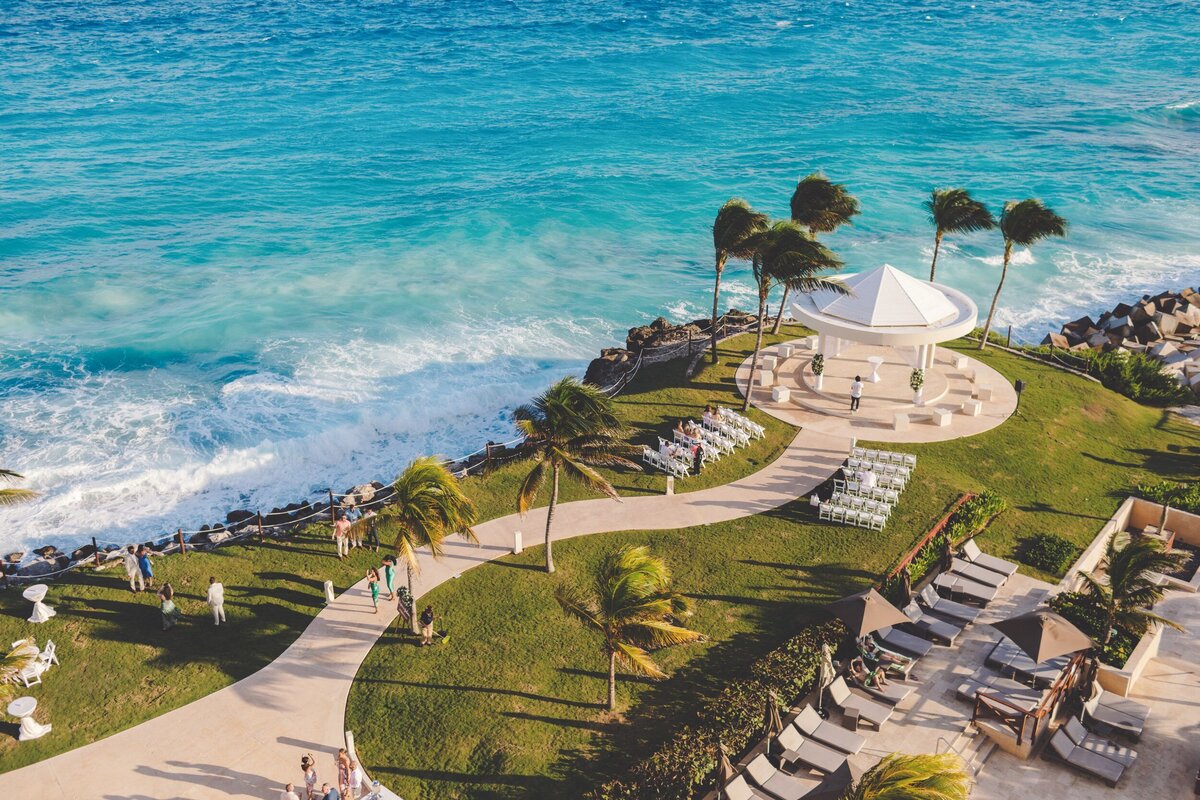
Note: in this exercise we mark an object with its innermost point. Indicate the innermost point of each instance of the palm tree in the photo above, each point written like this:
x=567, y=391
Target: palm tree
x=1124, y=595
x=785, y=254
x=11, y=665
x=822, y=206
x=735, y=225
x=1024, y=223
x=428, y=505
x=955, y=211
x=570, y=428
x=10, y=497
x=941, y=776
x=632, y=605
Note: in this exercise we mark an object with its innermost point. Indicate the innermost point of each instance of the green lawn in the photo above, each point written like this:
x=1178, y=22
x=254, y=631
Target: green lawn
x=511, y=707
x=119, y=668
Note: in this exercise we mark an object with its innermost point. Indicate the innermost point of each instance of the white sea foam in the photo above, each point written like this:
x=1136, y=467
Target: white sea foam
x=1020, y=258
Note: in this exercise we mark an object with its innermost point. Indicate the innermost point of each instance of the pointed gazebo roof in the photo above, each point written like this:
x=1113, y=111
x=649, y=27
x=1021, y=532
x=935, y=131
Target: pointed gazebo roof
x=886, y=297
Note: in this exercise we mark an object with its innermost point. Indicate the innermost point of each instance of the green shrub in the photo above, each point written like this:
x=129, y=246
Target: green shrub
x=1135, y=375
x=733, y=718
x=1078, y=609
x=1049, y=552
x=1185, y=497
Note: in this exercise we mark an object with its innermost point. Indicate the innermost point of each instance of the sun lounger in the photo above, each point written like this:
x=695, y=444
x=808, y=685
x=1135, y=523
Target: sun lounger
x=1089, y=741
x=1119, y=713
x=873, y=712
x=738, y=789
x=777, y=784
x=811, y=725
x=976, y=573
x=905, y=643
x=1083, y=760
x=972, y=553
x=891, y=693
x=1023, y=697
x=958, y=586
x=930, y=626
x=1008, y=659
x=807, y=752
x=947, y=609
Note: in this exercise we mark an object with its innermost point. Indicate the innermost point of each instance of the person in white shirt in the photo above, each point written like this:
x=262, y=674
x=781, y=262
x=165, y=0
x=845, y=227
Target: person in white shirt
x=358, y=779
x=133, y=570
x=216, y=600
x=868, y=479
x=664, y=450
x=856, y=390
x=289, y=793
x=341, y=536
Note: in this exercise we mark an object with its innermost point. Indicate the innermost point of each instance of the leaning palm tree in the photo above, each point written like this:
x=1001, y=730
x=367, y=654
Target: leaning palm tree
x=12, y=664
x=428, y=505
x=941, y=776
x=1025, y=223
x=822, y=206
x=9, y=497
x=785, y=254
x=955, y=211
x=632, y=605
x=735, y=226
x=569, y=428
x=1128, y=589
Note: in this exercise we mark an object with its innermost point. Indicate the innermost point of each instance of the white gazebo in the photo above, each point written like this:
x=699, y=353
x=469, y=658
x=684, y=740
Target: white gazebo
x=887, y=307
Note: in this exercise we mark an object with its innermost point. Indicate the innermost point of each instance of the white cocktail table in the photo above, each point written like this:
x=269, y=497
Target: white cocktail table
x=876, y=362
x=36, y=594
x=22, y=708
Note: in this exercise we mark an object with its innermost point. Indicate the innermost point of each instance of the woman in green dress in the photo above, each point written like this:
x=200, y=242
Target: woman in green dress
x=373, y=585
x=389, y=576
x=170, y=612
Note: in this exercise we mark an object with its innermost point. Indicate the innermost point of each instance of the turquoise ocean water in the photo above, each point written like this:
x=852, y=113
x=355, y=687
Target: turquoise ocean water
x=250, y=250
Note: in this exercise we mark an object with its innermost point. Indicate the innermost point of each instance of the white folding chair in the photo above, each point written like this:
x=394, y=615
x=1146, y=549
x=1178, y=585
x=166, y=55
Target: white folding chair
x=852, y=487
x=857, y=452
x=910, y=461
x=838, y=514
x=871, y=455
x=31, y=675
x=877, y=522
x=825, y=512
x=49, y=654
x=839, y=485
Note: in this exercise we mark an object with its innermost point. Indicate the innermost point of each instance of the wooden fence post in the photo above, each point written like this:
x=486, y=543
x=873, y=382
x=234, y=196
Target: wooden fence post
x=260, y=530
x=96, y=551
x=182, y=544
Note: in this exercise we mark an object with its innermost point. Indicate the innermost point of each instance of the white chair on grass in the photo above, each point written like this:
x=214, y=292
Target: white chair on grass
x=49, y=654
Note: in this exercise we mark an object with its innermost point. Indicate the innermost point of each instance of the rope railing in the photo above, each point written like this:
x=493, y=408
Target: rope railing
x=255, y=524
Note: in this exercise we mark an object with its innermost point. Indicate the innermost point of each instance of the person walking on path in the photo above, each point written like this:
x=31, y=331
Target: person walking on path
x=389, y=576
x=170, y=612
x=358, y=779
x=373, y=585
x=427, y=626
x=144, y=567
x=308, y=766
x=343, y=771
x=216, y=600
x=353, y=515
x=289, y=793
x=856, y=390
x=341, y=532
x=372, y=531
x=698, y=459
x=133, y=571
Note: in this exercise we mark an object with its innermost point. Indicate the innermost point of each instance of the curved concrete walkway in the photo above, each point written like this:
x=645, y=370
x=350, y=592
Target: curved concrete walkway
x=245, y=741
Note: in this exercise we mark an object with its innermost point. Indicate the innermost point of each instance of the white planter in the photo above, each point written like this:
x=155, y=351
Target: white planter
x=818, y=382
x=1121, y=681
x=917, y=396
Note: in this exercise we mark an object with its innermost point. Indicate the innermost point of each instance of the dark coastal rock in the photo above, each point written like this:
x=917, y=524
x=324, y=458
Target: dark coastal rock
x=198, y=538
x=47, y=551
x=239, y=516
x=79, y=554
x=1056, y=340
x=606, y=370
x=36, y=569
x=14, y=558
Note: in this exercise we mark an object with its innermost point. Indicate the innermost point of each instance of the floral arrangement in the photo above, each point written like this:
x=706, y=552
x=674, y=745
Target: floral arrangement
x=818, y=364
x=917, y=379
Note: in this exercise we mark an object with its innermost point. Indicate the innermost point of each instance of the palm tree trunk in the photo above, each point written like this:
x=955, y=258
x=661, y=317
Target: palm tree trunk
x=612, y=681
x=550, y=521
x=1162, y=523
x=782, y=306
x=937, y=245
x=716, y=305
x=762, y=311
x=412, y=612
x=987, y=328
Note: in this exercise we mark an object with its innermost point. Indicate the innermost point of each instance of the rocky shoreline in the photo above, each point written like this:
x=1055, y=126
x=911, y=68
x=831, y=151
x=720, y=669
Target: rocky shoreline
x=1165, y=327
x=658, y=342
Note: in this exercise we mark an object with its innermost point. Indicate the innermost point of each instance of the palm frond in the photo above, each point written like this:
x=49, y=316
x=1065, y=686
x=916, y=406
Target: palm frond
x=955, y=211
x=821, y=205
x=735, y=224
x=1028, y=221
x=637, y=659
x=899, y=776
x=533, y=483
x=655, y=634
x=584, y=475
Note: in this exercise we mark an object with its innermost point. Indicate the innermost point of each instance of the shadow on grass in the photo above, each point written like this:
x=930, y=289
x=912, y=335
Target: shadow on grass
x=487, y=690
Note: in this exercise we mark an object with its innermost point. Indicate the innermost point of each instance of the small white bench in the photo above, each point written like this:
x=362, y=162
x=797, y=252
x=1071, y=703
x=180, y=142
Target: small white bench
x=808, y=342
x=941, y=417
x=786, y=351
x=781, y=394
x=960, y=362
x=984, y=392
x=972, y=408
x=765, y=378
x=768, y=363
x=969, y=372
x=900, y=422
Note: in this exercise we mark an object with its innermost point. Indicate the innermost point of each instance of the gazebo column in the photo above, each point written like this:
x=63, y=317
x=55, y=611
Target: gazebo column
x=930, y=350
x=822, y=343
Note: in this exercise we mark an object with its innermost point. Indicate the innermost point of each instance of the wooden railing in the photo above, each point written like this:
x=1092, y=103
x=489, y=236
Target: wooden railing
x=1027, y=723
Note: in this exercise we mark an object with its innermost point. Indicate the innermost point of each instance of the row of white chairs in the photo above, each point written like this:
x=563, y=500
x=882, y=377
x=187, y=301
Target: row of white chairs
x=878, y=468
x=862, y=503
x=32, y=674
x=884, y=456
x=671, y=466
x=894, y=482
x=850, y=516
x=710, y=439
x=710, y=451
x=729, y=431
x=875, y=492
x=738, y=421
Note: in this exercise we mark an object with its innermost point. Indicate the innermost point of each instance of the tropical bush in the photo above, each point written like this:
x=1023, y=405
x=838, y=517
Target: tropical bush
x=818, y=364
x=1082, y=613
x=1184, y=496
x=1049, y=552
x=733, y=718
x=1135, y=375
